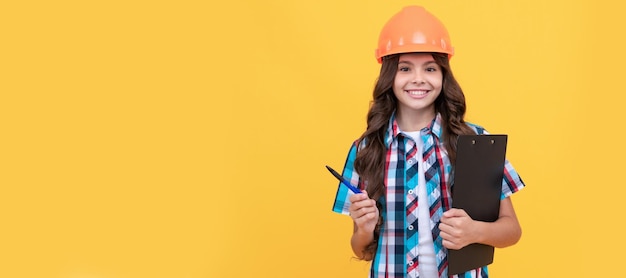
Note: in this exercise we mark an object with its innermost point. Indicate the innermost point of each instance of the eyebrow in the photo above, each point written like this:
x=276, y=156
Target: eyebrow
x=427, y=63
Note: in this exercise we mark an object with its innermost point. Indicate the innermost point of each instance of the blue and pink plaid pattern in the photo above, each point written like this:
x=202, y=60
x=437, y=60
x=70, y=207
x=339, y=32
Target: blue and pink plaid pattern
x=397, y=254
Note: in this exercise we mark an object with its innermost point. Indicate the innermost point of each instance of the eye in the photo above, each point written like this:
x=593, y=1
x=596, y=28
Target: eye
x=403, y=69
x=431, y=69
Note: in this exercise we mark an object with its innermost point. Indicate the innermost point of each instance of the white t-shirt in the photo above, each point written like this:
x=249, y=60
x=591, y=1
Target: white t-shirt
x=425, y=248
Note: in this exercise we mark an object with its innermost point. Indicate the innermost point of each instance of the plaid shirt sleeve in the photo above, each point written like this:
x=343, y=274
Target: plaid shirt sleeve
x=342, y=202
x=511, y=182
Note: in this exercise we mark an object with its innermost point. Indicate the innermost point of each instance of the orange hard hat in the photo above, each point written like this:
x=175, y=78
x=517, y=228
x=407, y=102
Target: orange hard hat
x=413, y=29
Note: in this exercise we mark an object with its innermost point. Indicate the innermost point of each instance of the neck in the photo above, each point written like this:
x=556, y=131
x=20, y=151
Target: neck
x=414, y=120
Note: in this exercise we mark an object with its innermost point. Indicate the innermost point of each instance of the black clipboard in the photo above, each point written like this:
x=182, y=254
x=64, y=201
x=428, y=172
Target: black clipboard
x=476, y=188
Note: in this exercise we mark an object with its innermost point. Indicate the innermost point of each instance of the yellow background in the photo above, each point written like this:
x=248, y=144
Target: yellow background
x=188, y=138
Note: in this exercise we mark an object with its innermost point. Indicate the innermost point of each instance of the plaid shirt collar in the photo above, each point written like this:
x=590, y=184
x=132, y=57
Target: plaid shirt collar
x=393, y=130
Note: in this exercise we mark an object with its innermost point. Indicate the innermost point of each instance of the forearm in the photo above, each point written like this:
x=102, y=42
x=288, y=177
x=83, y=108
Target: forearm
x=364, y=214
x=359, y=241
x=505, y=231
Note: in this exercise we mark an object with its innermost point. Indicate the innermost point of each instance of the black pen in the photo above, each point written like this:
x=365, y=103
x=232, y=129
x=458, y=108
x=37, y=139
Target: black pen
x=343, y=180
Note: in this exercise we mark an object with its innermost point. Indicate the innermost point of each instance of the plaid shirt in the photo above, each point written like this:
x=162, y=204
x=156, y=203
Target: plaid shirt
x=396, y=255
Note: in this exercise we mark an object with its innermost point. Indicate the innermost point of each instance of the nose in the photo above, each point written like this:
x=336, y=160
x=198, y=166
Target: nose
x=418, y=78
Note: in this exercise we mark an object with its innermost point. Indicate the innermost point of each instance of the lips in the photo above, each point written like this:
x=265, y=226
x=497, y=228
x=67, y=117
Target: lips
x=417, y=93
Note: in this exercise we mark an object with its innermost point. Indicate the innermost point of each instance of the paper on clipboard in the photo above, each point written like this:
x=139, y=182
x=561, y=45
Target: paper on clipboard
x=477, y=186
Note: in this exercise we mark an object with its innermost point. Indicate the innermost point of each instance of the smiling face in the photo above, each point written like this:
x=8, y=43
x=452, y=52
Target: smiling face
x=417, y=84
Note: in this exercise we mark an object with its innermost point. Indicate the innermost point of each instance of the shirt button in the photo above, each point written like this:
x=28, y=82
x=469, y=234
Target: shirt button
x=410, y=227
x=410, y=263
x=411, y=161
x=410, y=191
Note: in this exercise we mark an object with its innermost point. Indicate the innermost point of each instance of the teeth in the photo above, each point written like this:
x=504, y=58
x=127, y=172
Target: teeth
x=417, y=93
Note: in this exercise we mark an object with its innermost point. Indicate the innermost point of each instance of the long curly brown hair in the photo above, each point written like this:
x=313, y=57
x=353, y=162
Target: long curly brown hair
x=370, y=159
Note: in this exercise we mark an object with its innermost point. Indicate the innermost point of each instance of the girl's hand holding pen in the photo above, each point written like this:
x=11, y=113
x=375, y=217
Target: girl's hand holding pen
x=364, y=212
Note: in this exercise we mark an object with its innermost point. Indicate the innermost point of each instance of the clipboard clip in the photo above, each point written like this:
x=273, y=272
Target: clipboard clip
x=492, y=142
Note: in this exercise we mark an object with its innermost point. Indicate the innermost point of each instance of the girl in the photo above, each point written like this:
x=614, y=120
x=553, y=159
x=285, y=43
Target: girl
x=403, y=220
